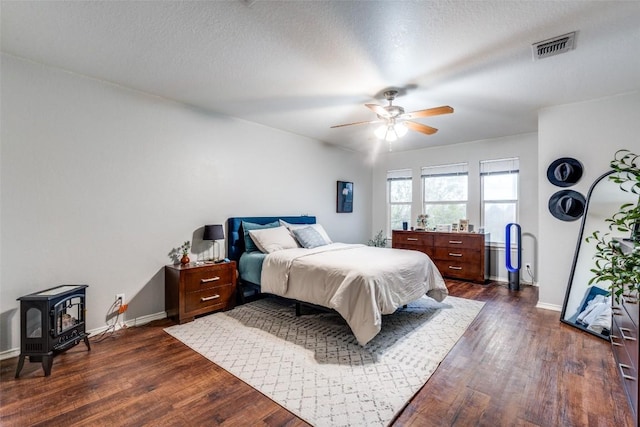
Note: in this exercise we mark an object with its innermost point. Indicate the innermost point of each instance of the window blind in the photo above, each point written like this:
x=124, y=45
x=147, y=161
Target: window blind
x=445, y=170
x=400, y=174
x=500, y=166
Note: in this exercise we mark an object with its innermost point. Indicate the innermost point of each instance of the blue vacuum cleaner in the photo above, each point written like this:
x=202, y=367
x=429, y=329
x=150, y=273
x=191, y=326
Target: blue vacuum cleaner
x=514, y=270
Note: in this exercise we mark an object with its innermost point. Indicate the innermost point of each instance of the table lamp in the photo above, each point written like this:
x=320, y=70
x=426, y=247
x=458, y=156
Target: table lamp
x=213, y=232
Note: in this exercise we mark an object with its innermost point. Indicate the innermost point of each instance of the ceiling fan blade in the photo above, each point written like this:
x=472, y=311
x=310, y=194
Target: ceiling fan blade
x=419, y=127
x=357, y=123
x=378, y=109
x=445, y=109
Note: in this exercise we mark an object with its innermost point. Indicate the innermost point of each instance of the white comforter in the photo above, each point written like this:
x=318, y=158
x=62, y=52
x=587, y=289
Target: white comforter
x=360, y=282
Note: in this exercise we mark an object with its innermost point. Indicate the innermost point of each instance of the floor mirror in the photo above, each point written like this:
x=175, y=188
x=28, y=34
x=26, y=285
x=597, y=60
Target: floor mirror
x=603, y=200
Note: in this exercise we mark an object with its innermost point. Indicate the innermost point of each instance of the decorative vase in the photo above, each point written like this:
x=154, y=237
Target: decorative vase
x=185, y=259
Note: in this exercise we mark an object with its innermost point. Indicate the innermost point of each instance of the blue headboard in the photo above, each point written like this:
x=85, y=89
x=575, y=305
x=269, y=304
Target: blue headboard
x=235, y=234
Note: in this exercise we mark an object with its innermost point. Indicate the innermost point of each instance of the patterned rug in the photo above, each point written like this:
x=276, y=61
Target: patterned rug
x=312, y=364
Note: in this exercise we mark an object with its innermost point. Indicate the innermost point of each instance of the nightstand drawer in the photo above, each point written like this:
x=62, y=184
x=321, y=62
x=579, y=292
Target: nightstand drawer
x=194, y=290
x=203, y=278
x=209, y=298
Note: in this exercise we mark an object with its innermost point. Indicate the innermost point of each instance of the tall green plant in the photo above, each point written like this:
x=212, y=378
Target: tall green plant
x=620, y=268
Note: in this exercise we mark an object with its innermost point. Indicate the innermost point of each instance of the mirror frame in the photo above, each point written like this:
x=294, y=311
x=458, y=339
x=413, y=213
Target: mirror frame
x=575, y=260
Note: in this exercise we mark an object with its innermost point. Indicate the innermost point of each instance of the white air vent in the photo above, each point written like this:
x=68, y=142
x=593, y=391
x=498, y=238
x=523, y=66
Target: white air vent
x=554, y=46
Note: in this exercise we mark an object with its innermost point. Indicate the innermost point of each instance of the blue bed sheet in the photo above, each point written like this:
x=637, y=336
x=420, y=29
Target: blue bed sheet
x=250, y=266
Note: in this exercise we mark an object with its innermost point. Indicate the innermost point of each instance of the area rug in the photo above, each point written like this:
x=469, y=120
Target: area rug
x=313, y=366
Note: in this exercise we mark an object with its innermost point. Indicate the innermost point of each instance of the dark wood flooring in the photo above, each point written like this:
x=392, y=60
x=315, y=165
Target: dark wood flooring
x=515, y=366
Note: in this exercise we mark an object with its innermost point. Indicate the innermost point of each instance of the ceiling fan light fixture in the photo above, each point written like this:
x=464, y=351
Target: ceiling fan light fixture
x=391, y=132
x=401, y=129
x=381, y=132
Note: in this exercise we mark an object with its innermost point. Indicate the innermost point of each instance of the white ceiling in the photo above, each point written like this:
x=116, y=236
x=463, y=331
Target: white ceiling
x=305, y=66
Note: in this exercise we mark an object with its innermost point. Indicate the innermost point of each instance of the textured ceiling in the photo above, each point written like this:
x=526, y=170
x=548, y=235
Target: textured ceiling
x=305, y=66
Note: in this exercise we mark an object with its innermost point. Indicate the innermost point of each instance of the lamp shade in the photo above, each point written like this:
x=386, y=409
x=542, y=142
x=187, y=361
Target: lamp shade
x=213, y=232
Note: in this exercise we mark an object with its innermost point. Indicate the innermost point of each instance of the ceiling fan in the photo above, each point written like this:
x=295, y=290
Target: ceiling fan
x=395, y=121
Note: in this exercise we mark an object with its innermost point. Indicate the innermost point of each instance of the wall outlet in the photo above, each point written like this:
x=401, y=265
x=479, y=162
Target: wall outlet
x=527, y=266
x=121, y=298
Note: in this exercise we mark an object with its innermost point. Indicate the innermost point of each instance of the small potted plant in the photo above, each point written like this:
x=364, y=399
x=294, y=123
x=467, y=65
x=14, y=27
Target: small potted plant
x=621, y=268
x=184, y=249
x=379, y=241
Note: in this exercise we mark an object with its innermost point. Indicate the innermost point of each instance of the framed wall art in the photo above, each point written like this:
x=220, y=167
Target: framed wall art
x=344, y=197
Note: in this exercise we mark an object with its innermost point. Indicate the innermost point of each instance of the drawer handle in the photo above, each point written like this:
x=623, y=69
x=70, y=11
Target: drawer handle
x=622, y=366
x=203, y=299
x=624, y=337
x=451, y=254
x=457, y=242
x=613, y=341
x=412, y=239
x=616, y=311
x=455, y=268
x=212, y=279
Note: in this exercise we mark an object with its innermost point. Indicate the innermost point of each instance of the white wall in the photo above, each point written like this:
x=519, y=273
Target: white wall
x=522, y=146
x=100, y=182
x=591, y=132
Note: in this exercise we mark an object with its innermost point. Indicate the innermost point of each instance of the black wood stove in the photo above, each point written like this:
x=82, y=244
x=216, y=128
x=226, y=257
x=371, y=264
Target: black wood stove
x=51, y=321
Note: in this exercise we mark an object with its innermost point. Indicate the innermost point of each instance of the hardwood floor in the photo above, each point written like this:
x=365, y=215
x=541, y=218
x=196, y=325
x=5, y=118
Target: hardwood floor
x=515, y=366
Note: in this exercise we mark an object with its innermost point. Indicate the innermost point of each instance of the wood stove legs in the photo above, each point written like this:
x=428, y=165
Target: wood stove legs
x=47, y=362
x=20, y=365
x=45, y=359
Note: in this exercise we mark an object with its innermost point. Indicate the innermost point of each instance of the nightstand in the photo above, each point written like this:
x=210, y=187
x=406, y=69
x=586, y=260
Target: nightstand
x=192, y=290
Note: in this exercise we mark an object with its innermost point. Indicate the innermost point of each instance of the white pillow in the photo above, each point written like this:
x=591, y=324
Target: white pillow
x=273, y=239
x=319, y=228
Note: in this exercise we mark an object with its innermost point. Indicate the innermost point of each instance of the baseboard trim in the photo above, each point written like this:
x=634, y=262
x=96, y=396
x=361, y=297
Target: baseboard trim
x=138, y=321
x=8, y=354
x=506, y=280
x=545, y=306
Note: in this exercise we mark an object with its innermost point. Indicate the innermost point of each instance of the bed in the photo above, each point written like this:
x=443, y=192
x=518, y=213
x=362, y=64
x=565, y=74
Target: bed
x=361, y=283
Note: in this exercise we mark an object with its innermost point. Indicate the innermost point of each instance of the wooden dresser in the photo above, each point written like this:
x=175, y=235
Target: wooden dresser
x=192, y=290
x=624, y=341
x=457, y=255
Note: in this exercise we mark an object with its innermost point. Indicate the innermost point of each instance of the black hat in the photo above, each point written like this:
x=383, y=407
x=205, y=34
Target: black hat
x=564, y=172
x=567, y=205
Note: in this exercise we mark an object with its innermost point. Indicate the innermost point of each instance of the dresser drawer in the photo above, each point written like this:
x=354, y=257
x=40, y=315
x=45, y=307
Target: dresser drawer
x=625, y=334
x=209, y=299
x=630, y=305
x=460, y=270
x=203, y=278
x=411, y=239
x=458, y=240
x=625, y=363
x=457, y=255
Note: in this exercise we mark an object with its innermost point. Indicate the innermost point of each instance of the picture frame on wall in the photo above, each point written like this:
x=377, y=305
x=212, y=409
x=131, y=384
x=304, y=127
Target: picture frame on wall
x=344, y=197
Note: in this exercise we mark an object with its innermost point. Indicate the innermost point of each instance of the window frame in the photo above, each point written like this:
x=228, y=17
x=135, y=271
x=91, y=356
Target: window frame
x=514, y=169
x=398, y=175
x=452, y=169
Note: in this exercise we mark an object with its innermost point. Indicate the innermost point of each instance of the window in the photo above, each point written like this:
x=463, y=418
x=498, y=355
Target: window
x=399, y=195
x=445, y=193
x=499, y=183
